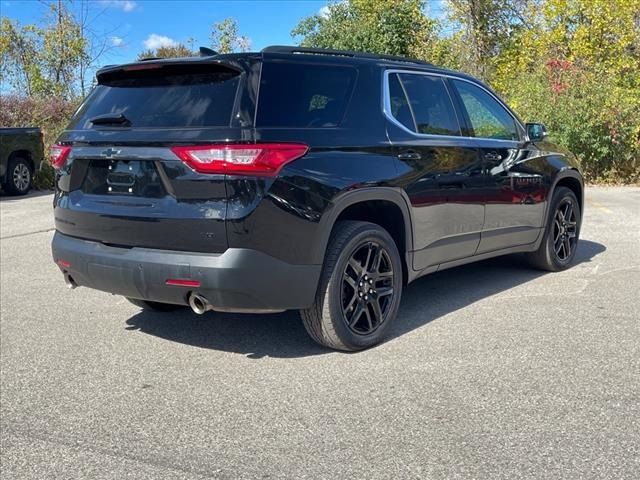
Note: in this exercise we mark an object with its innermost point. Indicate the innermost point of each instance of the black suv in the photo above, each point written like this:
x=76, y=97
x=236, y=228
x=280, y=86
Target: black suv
x=305, y=179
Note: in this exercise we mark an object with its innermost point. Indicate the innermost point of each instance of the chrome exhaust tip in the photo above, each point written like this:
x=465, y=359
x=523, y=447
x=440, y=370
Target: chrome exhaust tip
x=69, y=281
x=199, y=304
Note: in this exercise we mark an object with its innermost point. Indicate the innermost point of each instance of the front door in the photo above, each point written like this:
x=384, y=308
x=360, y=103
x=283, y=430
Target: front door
x=439, y=168
x=514, y=189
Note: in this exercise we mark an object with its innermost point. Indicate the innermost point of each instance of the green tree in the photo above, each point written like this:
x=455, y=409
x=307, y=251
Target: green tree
x=226, y=39
x=577, y=71
x=44, y=60
x=19, y=54
x=63, y=45
x=484, y=28
x=394, y=27
x=178, y=50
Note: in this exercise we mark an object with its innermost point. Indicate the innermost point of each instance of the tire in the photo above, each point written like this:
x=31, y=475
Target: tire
x=19, y=177
x=154, y=306
x=351, y=285
x=559, y=244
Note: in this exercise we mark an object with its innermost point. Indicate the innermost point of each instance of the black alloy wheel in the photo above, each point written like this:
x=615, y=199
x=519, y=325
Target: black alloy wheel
x=367, y=288
x=565, y=230
x=360, y=288
x=559, y=243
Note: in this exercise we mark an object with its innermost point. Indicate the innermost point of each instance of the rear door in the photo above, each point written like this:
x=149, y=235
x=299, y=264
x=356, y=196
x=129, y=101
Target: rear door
x=123, y=184
x=440, y=168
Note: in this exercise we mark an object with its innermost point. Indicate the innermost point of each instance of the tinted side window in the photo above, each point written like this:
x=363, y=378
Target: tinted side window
x=399, y=104
x=488, y=118
x=303, y=95
x=431, y=104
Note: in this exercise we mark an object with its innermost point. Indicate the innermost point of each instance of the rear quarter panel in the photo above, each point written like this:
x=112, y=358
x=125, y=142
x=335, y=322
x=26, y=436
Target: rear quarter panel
x=286, y=217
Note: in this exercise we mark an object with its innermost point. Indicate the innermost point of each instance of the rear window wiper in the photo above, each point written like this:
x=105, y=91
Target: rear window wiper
x=110, y=119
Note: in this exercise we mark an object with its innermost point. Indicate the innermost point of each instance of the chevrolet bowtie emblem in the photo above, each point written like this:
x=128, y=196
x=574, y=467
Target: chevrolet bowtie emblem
x=110, y=152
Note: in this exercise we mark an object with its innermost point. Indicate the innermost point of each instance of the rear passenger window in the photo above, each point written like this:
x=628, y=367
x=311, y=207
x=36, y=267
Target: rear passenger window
x=303, y=95
x=430, y=104
x=399, y=105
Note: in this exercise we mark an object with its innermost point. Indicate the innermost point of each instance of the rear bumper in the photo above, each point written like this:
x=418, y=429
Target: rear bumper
x=236, y=280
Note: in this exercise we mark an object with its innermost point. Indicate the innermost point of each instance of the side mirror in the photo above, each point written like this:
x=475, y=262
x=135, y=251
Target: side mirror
x=536, y=131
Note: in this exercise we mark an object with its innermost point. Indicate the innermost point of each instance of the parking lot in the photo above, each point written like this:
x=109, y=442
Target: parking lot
x=493, y=371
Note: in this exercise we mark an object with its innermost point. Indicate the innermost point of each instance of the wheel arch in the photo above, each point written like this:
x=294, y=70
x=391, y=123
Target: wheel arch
x=384, y=206
x=574, y=184
x=571, y=179
x=22, y=153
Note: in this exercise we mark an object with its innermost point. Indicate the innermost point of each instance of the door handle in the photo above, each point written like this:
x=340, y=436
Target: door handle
x=493, y=156
x=451, y=180
x=409, y=156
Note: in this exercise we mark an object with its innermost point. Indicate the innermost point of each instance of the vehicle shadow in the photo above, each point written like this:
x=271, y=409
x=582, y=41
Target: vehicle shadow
x=441, y=293
x=282, y=335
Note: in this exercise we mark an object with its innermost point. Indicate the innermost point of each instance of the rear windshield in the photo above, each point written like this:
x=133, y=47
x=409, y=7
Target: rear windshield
x=198, y=96
x=303, y=95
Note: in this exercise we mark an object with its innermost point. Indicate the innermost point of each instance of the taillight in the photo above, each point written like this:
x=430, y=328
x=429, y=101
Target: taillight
x=182, y=282
x=58, y=155
x=263, y=159
x=142, y=66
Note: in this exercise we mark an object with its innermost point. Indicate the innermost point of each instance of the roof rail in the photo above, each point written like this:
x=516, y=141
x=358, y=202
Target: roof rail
x=397, y=58
x=341, y=53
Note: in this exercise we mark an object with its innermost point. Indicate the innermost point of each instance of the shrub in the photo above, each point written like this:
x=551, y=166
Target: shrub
x=43, y=179
x=586, y=113
x=50, y=114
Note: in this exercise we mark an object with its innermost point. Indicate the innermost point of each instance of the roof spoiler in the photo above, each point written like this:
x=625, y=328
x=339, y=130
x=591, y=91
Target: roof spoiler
x=171, y=64
x=207, y=52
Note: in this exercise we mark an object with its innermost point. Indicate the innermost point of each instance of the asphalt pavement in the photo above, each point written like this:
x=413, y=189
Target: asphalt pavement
x=492, y=371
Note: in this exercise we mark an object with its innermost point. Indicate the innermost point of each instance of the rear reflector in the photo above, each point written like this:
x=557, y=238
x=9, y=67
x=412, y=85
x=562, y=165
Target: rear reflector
x=260, y=159
x=182, y=282
x=58, y=155
x=63, y=264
